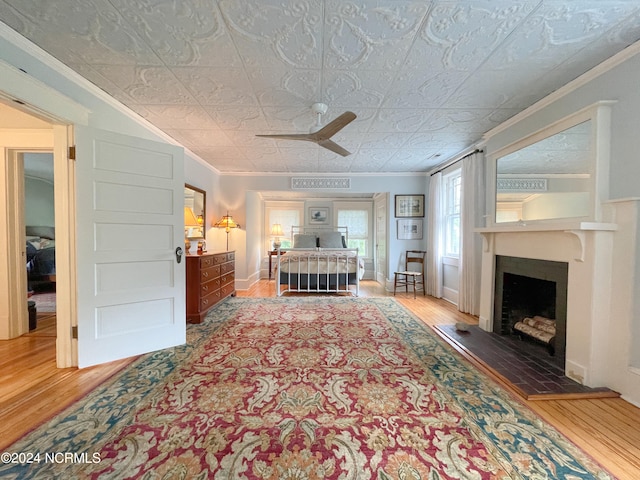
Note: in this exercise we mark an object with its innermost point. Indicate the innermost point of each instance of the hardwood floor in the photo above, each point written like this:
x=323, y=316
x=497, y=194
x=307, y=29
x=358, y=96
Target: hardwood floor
x=32, y=389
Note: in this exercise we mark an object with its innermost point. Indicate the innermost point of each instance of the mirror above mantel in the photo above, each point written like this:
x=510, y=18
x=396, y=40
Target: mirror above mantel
x=556, y=174
x=546, y=180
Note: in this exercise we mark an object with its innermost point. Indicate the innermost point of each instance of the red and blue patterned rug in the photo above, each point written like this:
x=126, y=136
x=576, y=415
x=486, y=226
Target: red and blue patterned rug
x=301, y=388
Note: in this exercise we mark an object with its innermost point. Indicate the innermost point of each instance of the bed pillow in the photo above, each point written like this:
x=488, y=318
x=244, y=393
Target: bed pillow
x=46, y=243
x=34, y=242
x=301, y=240
x=331, y=240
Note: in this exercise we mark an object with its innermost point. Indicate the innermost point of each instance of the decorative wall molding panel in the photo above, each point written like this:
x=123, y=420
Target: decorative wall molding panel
x=522, y=184
x=312, y=183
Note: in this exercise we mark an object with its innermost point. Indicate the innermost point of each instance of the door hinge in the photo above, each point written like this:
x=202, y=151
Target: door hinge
x=72, y=152
x=74, y=332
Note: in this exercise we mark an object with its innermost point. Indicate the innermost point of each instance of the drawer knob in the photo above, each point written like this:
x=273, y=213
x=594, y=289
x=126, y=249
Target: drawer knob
x=205, y=274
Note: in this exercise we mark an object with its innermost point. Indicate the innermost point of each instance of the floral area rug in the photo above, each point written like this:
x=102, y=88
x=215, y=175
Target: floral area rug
x=301, y=388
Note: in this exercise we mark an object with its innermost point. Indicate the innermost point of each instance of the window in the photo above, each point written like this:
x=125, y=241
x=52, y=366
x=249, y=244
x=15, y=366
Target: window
x=287, y=214
x=452, y=186
x=356, y=217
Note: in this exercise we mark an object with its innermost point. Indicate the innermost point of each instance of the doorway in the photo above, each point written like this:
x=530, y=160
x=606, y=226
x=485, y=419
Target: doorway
x=21, y=132
x=22, y=135
x=39, y=221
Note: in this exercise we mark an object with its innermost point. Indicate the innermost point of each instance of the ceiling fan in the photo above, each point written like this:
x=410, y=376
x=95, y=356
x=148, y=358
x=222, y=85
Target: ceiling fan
x=319, y=134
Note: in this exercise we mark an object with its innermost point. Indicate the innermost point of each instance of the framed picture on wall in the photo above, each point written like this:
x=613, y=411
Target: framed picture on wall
x=318, y=215
x=409, y=206
x=410, y=229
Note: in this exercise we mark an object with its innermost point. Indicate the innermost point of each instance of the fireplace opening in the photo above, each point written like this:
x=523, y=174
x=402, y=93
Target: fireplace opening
x=531, y=303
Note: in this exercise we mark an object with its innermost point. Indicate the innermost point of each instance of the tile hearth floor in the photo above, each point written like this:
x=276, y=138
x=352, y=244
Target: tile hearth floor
x=520, y=363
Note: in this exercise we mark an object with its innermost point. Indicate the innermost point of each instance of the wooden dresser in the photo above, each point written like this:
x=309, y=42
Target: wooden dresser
x=210, y=278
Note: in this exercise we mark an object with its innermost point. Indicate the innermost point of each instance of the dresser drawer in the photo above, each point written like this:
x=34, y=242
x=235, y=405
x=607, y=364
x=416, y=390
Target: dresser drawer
x=227, y=289
x=209, y=273
x=227, y=267
x=206, y=262
x=219, y=258
x=209, y=287
x=228, y=278
x=231, y=256
x=210, y=300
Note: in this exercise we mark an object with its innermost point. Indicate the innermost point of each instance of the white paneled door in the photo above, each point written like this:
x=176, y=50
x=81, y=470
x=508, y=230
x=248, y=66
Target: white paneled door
x=129, y=211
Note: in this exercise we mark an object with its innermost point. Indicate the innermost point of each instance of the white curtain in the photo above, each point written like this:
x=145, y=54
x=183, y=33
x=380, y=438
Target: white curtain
x=471, y=216
x=435, y=237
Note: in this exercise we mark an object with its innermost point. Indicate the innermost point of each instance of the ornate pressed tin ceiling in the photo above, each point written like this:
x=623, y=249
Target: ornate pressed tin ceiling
x=426, y=78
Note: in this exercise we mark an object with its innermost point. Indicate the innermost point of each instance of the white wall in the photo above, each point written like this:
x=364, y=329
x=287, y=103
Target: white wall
x=255, y=211
x=38, y=202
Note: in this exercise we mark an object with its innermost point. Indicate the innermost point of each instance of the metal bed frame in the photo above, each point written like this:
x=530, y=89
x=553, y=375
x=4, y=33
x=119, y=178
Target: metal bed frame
x=312, y=266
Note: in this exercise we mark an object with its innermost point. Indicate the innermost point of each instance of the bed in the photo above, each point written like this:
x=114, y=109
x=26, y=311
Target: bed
x=41, y=257
x=319, y=262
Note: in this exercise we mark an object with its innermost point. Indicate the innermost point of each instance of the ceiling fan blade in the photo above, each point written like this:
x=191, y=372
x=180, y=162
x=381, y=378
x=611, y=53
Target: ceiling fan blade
x=334, y=126
x=334, y=147
x=291, y=136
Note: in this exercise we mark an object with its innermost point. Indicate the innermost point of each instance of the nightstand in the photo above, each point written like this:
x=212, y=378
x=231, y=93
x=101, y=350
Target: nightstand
x=273, y=252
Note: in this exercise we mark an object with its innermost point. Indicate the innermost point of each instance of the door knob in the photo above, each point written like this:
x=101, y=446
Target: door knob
x=179, y=253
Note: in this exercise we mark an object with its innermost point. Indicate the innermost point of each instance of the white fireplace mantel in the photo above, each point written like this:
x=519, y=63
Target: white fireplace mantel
x=548, y=227
x=587, y=249
x=577, y=228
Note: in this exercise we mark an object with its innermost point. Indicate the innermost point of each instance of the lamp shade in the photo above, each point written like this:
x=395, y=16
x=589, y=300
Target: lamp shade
x=227, y=223
x=192, y=228
x=276, y=230
x=190, y=219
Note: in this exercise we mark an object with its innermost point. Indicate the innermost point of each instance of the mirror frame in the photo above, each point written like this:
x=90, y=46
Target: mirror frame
x=600, y=116
x=197, y=190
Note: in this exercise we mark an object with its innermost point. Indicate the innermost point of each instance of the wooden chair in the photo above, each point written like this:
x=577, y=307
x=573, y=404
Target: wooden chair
x=411, y=276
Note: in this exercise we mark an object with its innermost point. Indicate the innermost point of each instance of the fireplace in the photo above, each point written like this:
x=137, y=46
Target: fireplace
x=528, y=288
x=584, y=254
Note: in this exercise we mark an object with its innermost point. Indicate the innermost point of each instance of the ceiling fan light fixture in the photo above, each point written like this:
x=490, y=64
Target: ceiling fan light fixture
x=319, y=108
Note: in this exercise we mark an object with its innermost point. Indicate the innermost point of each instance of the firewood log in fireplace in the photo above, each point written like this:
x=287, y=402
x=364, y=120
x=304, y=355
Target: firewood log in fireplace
x=539, y=328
